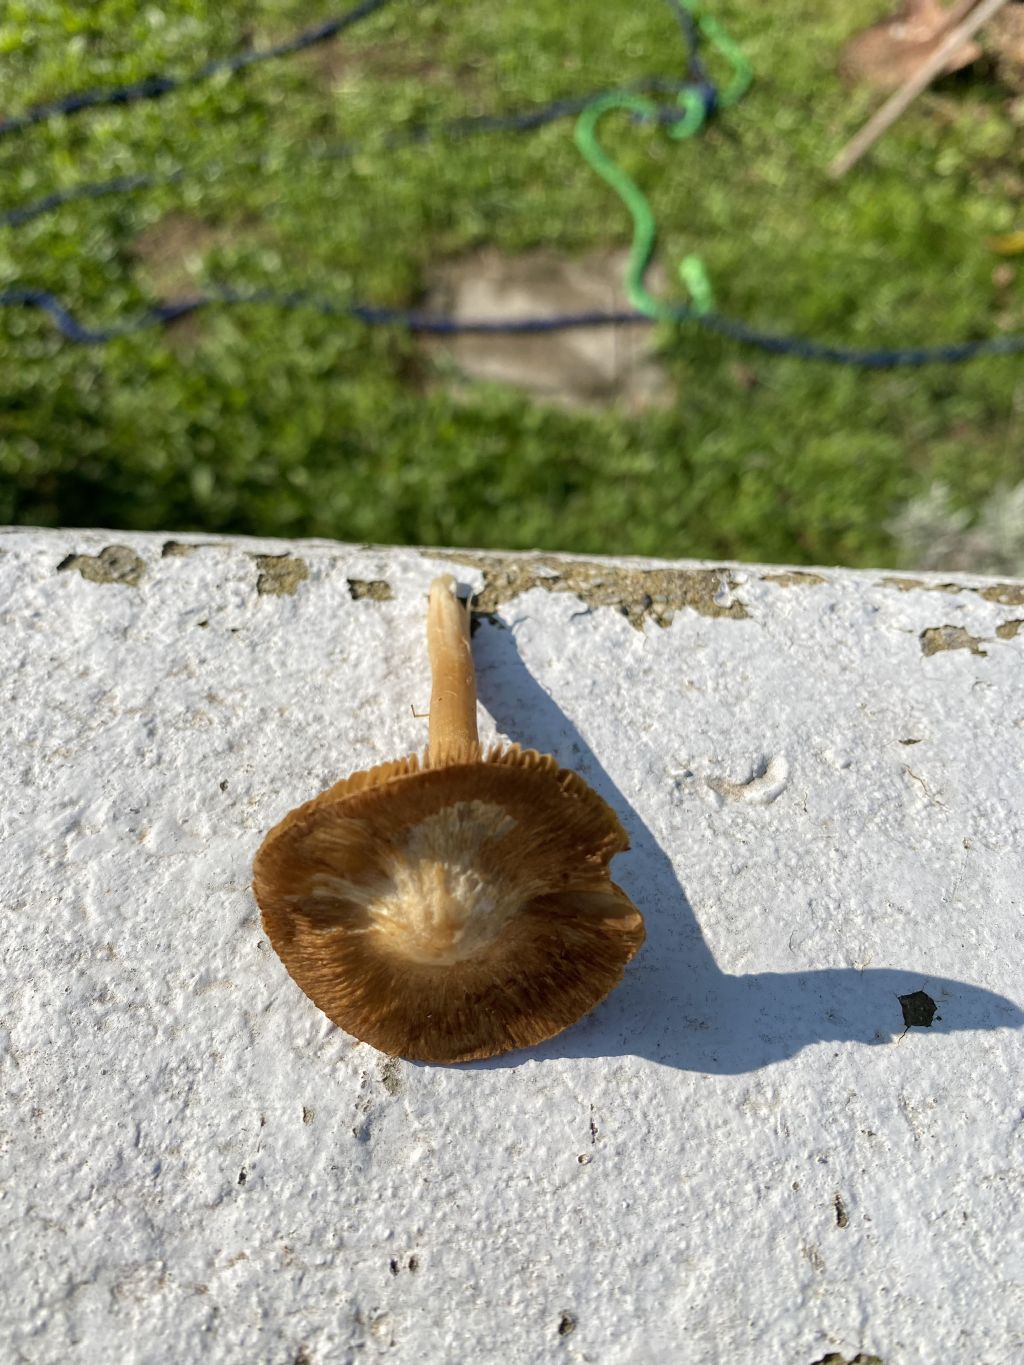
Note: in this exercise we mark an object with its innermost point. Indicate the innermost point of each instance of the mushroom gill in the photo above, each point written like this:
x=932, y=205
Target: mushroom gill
x=453, y=906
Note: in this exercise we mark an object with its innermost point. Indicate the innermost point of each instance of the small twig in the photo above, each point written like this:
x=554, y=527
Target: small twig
x=898, y=103
x=959, y=11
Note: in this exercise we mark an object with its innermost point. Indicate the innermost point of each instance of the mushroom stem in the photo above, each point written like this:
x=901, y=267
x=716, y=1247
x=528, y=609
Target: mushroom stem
x=453, y=691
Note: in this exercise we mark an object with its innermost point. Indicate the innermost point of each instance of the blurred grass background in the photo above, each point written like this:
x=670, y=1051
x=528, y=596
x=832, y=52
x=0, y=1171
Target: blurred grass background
x=261, y=421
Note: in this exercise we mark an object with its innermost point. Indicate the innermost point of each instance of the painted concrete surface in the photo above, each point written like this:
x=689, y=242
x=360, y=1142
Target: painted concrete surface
x=743, y=1155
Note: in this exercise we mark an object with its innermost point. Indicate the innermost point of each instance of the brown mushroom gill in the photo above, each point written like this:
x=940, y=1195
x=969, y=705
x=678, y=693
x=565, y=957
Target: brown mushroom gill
x=453, y=906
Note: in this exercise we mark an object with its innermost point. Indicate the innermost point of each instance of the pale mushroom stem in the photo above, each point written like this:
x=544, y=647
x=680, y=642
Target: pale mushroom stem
x=453, y=691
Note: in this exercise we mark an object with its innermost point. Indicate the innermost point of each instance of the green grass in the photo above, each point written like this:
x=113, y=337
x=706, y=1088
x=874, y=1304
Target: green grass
x=256, y=420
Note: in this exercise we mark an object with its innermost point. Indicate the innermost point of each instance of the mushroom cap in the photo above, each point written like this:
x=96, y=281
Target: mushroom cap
x=446, y=911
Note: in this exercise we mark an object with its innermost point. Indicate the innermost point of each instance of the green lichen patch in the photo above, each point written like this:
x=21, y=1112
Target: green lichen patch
x=910, y=584
x=639, y=594
x=280, y=575
x=1007, y=594
x=115, y=564
x=793, y=578
x=376, y=589
x=937, y=639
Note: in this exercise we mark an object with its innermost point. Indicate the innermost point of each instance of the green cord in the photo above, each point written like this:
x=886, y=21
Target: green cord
x=692, y=117
x=742, y=72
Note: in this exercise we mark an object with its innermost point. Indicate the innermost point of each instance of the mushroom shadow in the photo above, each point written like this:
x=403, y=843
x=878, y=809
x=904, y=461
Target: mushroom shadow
x=675, y=1005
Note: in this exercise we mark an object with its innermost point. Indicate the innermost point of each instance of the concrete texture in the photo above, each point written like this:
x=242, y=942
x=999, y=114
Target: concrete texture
x=754, y=1150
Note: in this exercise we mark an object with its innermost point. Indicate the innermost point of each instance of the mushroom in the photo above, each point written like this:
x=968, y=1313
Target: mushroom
x=456, y=905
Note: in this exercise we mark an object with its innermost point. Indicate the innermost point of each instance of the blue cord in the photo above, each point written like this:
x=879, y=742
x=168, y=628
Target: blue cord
x=155, y=87
x=803, y=348
x=122, y=184
x=473, y=126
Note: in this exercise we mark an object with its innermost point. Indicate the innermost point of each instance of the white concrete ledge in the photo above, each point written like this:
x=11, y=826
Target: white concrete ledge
x=741, y=1155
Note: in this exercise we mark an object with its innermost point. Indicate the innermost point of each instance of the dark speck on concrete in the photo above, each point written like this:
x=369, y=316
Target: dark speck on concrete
x=566, y=1325
x=919, y=1009
x=115, y=564
x=861, y=1358
x=842, y=1217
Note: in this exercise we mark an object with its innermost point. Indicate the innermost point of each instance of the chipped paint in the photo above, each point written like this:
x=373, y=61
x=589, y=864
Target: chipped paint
x=919, y=584
x=1009, y=629
x=1006, y=594
x=181, y=549
x=793, y=578
x=766, y=783
x=115, y=564
x=937, y=639
x=280, y=575
x=639, y=594
x=376, y=589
